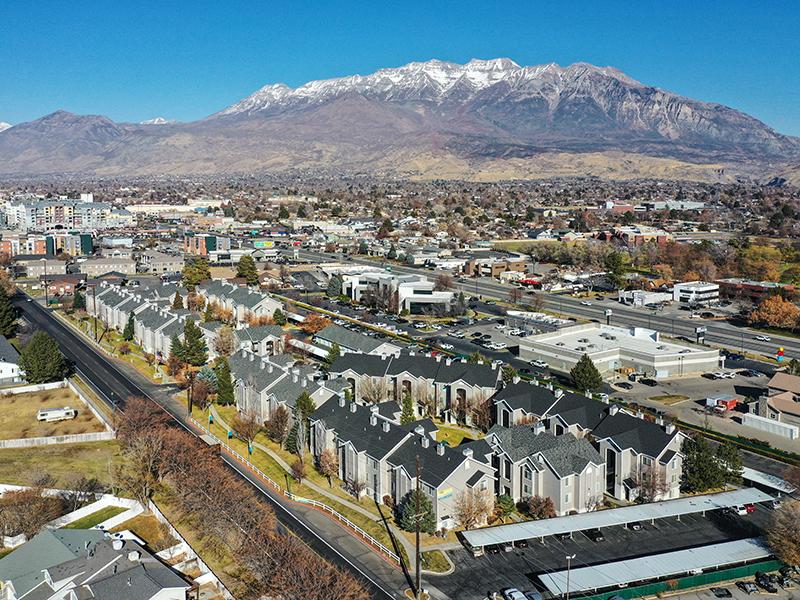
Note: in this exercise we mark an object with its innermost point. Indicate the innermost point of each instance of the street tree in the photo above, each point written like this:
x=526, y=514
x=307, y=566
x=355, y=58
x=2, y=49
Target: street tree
x=334, y=289
x=41, y=359
x=585, y=375
x=127, y=333
x=222, y=370
x=247, y=426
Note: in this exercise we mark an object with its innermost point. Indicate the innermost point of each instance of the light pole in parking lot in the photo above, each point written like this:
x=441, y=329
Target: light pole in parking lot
x=569, y=564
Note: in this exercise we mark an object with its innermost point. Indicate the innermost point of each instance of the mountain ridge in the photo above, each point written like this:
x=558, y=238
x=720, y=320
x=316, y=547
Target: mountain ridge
x=466, y=118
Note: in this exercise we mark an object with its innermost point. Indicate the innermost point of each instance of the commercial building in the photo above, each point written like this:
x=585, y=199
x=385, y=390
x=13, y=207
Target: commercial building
x=696, y=293
x=615, y=350
x=201, y=244
x=737, y=288
x=782, y=401
x=413, y=293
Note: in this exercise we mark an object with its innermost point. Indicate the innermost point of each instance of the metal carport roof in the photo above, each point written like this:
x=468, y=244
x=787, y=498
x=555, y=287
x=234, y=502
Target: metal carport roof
x=657, y=566
x=614, y=516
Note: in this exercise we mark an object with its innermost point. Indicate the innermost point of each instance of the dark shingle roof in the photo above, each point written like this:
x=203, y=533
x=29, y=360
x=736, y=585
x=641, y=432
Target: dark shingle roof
x=533, y=399
x=631, y=432
x=355, y=427
x=365, y=364
x=8, y=353
x=435, y=468
x=351, y=340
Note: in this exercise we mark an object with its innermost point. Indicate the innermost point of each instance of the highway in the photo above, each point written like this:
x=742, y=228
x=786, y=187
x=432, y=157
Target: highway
x=115, y=387
x=719, y=333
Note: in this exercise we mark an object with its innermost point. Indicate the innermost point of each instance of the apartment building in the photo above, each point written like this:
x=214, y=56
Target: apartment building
x=159, y=263
x=45, y=215
x=630, y=445
x=382, y=454
x=96, y=267
x=244, y=303
x=33, y=266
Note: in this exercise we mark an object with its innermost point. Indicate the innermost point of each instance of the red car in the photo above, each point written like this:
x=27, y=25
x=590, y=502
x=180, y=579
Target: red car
x=750, y=508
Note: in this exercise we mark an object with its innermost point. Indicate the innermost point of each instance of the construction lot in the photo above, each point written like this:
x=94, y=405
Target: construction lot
x=520, y=567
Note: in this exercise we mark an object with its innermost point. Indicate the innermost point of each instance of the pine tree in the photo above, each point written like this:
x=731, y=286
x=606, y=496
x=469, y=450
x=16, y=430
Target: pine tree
x=127, y=333
x=291, y=439
x=42, y=360
x=334, y=352
x=177, y=302
x=304, y=406
x=194, y=344
x=224, y=382
x=392, y=254
x=701, y=469
x=8, y=315
x=208, y=314
x=283, y=213
x=363, y=248
x=334, y=289
x=246, y=268
x=730, y=462
x=78, y=301
x=585, y=375
x=417, y=506
x=279, y=317
x=195, y=271
x=209, y=376
x=176, y=348
x=407, y=415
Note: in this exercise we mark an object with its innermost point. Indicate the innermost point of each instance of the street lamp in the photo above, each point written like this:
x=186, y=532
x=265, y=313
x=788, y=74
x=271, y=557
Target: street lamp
x=569, y=564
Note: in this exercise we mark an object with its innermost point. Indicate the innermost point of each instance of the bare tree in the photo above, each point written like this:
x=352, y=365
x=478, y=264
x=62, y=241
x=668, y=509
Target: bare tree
x=329, y=464
x=540, y=507
x=139, y=472
x=247, y=426
x=651, y=483
x=357, y=487
x=298, y=470
x=515, y=295
x=225, y=342
x=443, y=282
x=373, y=389
x=783, y=534
x=472, y=507
x=27, y=511
x=278, y=425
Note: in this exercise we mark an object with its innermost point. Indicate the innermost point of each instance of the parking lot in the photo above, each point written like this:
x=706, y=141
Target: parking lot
x=478, y=576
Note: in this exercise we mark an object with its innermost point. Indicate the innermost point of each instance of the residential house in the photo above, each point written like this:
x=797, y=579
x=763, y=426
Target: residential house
x=244, y=304
x=782, y=400
x=9, y=363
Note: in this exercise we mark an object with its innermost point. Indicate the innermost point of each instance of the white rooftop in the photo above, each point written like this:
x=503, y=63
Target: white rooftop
x=657, y=566
x=615, y=516
x=595, y=337
x=767, y=480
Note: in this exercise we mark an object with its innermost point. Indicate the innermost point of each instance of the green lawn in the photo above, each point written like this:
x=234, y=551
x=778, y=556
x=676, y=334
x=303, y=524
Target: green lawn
x=435, y=562
x=89, y=521
x=63, y=461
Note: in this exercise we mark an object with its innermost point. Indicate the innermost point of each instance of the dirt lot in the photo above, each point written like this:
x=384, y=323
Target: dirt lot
x=19, y=415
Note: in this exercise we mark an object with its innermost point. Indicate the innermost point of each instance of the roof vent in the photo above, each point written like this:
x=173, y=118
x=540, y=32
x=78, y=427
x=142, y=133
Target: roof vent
x=557, y=393
x=385, y=425
x=117, y=544
x=669, y=428
x=353, y=406
x=425, y=441
x=538, y=428
x=134, y=555
x=373, y=419
x=373, y=408
x=467, y=452
x=440, y=449
x=613, y=409
x=342, y=400
x=448, y=361
x=419, y=430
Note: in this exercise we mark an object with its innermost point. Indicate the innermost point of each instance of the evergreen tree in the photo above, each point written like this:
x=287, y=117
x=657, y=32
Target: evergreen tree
x=195, y=271
x=279, y=317
x=78, y=302
x=615, y=268
x=301, y=212
x=177, y=302
x=208, y=314
x=701, y=469
x=407, y=415
x=416, y=506
x=42, y=360
x=504, y=507
x=730, y=462
x=246, y=268
x=194, y=345
x=363, y=248
x=127, y=333
x=392, y=254
x=334, y=352
x=509, y=373
x=291, y=439
x=304, y=406
x=283, y=213
x=8, y=315
x=224, y=382
x=475, y=358
x=585, y=375
x=334, y=287
x=176, y=348
x=209, y=376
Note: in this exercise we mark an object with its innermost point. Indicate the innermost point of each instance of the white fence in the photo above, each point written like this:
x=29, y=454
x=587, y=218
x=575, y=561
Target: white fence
x=37, y=387
x=323, y=507
x=76, y=438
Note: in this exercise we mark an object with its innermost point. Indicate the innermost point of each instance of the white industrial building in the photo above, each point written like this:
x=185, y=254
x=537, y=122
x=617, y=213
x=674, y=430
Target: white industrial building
x=613, y=348
x=699, y=293
x=413, y=293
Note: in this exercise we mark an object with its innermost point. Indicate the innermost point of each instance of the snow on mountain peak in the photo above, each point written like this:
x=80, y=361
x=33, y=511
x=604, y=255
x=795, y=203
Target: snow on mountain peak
x=430, y=80
x=4, y=126
x=156, y=121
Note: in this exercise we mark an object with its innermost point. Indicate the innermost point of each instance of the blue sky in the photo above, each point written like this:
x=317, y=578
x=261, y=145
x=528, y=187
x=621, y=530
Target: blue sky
x=137, y=60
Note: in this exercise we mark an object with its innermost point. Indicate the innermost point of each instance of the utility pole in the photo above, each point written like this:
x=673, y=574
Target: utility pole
x=46, y=285
x=190, y=374
x=418, y=515
x=569, y=564
x=94, y=311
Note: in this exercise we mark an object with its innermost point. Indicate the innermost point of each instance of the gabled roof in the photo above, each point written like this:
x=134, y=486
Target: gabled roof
x=533, y=399
x=350, y=340
x=785, y=382
x=631, y=432
x=8, y=353
x=257, y=334
x=435, y=468
x=364, y=364
x=565, y=454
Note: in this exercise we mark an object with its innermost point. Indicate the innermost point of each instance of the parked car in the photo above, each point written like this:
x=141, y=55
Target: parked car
x=748, y=587
x=750, y=508
x=446, y=346
x=625, y=385
x=721, y=592
x=602, y=396
x=776, y=503
x=512, y=594
x=763, y=581
x=648, y=382
x=635, y=526
x=540, y=364
x=738, y=510
x=493, y=549
x=521, y=543
x=508, y=546
x=595, y=535
x=563, y=536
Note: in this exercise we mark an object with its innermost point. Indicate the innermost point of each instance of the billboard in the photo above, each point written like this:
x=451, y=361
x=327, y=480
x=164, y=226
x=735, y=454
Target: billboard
x=263, y=244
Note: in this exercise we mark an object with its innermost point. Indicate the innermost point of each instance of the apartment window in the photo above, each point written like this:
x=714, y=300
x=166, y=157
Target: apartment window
x=526, y=490
x=566, y=482
x=647, y=461
x=526, y=473
x=484, y=485
x=674, y=463
x=507, y=469
x=566, y=497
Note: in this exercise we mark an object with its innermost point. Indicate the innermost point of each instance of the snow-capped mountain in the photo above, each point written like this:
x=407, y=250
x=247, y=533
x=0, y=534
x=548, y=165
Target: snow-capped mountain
x=4, y=126
x=484, y=119
x=157, y=121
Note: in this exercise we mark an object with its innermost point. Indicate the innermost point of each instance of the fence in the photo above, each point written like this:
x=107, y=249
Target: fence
x=691, y=581
x=38, y=387
x=301, y=500
x=75, y=438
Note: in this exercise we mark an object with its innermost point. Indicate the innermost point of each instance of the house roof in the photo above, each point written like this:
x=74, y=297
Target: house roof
x=368, y=364
x=785, y=382
x=565, y=454
x=435, y=468
x=8, y=353
x=533, y=399
x=351, y=340
x=628, y=431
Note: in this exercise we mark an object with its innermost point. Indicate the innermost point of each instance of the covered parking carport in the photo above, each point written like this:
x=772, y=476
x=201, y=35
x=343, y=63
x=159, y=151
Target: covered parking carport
x=476, y=540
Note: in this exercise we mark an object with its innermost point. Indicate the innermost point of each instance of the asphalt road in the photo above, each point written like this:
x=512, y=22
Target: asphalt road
x=720, y=333
x=116, y=387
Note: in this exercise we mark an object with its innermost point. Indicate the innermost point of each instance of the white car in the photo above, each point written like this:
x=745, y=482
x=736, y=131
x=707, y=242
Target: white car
x=763, y=338
x=500, y=327
x=446, y=346
x=500, y=346
x=512, y=594
x=540, y=364
x=586, y=303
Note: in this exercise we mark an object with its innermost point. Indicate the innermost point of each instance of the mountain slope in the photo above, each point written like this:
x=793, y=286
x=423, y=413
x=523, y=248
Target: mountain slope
x=426, y=119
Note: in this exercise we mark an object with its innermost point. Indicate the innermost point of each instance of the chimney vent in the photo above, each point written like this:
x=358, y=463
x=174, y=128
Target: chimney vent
x=425, y=441
x=385, y=425
x=419, y=430
x=467, y=452
x=538, y=428
x=669, y=428
x=557, y=393
x=613, y=409
x=440, y=449
x=373, y=419
x=342, y=401
x=353, y=407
